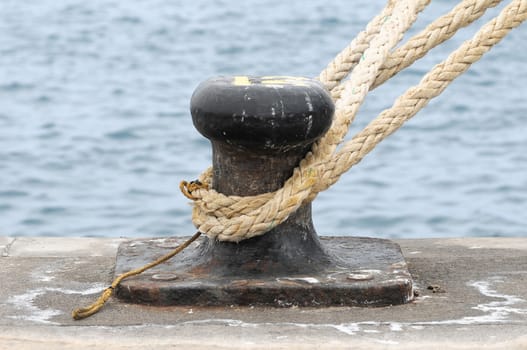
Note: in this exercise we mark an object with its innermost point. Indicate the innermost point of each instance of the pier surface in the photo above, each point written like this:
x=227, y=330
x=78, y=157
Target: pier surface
x=471, y=294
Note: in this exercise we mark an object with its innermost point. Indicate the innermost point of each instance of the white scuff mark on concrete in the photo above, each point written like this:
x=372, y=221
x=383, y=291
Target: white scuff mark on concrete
x=348, y=328
x=371, y=331
x=46, y=278
x=25, y=303
x=499, y=310
x=386, y=342
x=226, y=321
x=495, y=311
x=158, y=240
x=396, y=327
x=95, y=289
x=43, y=276
x=415, y=252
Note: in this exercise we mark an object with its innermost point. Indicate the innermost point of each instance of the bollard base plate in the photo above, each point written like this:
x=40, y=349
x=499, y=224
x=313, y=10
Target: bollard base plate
x=367, y=272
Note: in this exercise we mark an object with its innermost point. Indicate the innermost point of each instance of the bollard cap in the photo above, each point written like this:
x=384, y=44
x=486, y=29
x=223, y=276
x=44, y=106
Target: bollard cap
x=272, y=113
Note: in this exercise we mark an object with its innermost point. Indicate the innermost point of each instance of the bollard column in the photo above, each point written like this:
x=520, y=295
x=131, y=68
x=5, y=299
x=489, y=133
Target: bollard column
x=260, y=128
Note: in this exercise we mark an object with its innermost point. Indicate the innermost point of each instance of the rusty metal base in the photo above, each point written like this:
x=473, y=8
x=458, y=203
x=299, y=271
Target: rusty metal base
x=368, y=272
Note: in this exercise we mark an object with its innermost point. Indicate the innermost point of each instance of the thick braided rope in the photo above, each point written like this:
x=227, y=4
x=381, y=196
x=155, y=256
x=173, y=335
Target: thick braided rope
x=347, y=59
x=433, y=35
x=415, y=48
x=329, y=177
x=432, y=85
x=258, y=219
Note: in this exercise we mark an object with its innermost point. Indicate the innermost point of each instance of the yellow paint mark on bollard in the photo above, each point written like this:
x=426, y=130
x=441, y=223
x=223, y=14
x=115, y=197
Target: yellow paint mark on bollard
x=242, y=80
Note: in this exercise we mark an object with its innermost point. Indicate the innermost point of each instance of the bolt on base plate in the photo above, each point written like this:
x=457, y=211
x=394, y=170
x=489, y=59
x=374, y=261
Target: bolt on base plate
x=368, y=272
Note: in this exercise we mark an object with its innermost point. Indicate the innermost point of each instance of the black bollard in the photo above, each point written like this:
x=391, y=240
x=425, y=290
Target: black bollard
x=260, y=128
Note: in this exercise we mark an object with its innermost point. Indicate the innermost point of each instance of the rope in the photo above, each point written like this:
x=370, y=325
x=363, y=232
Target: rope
x=432, y=85
x=347, y=59
x=434, y=34
x=79, y=314
x=234, y=218
x=418, y=46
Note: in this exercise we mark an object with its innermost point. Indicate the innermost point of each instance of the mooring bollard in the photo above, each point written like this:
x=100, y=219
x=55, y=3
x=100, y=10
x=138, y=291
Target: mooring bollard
x=260, y=128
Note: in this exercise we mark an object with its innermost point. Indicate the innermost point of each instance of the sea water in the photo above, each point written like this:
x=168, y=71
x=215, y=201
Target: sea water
x=95, y=129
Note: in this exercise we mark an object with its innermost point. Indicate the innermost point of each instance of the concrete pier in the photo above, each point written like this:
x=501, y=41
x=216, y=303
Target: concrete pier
x=471, y=294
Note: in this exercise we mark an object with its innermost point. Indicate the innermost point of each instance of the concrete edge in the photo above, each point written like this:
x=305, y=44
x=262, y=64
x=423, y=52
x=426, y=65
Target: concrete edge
x=58, y=246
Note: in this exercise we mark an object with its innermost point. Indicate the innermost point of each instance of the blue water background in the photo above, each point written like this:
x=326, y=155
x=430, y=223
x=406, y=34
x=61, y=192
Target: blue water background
x=95, y=130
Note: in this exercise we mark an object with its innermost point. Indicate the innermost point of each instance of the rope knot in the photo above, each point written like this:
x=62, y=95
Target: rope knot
x=188, y=187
